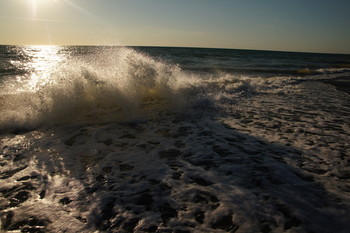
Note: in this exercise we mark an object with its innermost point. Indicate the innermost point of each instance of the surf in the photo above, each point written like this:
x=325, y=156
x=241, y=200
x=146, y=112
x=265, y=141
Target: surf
x=56, y=85
x=112, y=85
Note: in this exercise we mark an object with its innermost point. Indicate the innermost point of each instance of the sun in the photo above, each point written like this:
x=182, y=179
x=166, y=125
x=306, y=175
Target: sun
x=35, y=4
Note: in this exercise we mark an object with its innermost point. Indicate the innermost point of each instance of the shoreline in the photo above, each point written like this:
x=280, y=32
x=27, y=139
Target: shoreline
x=341, y=84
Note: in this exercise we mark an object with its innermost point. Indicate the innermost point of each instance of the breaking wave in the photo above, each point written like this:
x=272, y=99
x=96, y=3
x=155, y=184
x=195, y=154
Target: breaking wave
x=121, y=85
x=118, y=85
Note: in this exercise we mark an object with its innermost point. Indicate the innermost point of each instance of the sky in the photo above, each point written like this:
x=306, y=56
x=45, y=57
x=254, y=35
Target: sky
x=283, y=25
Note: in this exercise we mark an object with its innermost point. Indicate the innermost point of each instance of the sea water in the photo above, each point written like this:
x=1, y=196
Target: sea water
x=157, y=139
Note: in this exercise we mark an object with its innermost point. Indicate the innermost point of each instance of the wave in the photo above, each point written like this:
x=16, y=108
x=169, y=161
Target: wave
x=337, y=70
x=120, y=85
x=272, y=71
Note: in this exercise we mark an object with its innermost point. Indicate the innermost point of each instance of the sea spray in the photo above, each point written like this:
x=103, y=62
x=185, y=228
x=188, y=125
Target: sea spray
x=65, y=85
x=273, y=155
x=117, y=85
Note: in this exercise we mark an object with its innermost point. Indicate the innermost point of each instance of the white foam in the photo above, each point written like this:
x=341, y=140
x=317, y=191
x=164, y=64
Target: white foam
x=275, y=162
x=117, y=85
x=125, y=86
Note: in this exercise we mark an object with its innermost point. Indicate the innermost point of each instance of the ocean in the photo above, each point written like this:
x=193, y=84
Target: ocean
x=166, y=139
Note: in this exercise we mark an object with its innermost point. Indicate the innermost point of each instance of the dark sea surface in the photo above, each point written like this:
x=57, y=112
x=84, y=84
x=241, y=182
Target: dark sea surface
x=248, y=62
x=164, y=139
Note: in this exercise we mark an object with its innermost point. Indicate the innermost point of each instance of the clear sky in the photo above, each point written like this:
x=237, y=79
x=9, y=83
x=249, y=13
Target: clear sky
x=288, y=25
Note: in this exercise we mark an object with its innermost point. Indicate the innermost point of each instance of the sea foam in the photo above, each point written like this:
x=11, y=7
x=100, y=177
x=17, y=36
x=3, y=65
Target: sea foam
x=115, y=85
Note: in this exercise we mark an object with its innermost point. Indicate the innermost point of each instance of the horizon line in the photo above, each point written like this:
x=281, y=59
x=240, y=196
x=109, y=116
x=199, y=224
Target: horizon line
x=173, y=46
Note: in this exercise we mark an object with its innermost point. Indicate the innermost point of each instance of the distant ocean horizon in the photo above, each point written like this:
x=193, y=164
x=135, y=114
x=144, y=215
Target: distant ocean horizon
x=175, y=46
x=173, y=139
x=246, y=61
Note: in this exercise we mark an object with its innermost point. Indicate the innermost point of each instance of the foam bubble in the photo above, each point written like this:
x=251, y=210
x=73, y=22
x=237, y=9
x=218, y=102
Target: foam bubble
x=117, y=84
x=113, y=85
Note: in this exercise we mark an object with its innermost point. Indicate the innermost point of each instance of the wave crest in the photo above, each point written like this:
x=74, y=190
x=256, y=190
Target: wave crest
x=114, y=85
x=118, y=85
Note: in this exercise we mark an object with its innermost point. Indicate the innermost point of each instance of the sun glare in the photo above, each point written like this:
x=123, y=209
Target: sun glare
x=35, y=4
x=44, y=59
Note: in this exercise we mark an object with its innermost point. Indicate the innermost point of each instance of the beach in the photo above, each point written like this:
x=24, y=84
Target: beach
x=223, y=153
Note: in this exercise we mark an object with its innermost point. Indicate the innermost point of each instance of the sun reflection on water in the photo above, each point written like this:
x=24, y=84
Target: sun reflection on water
x=42, y=61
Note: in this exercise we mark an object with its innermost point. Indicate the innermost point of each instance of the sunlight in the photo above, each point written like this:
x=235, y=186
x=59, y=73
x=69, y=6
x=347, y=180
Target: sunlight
x=44, y=59
x=79, y=8
x=35, y=4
